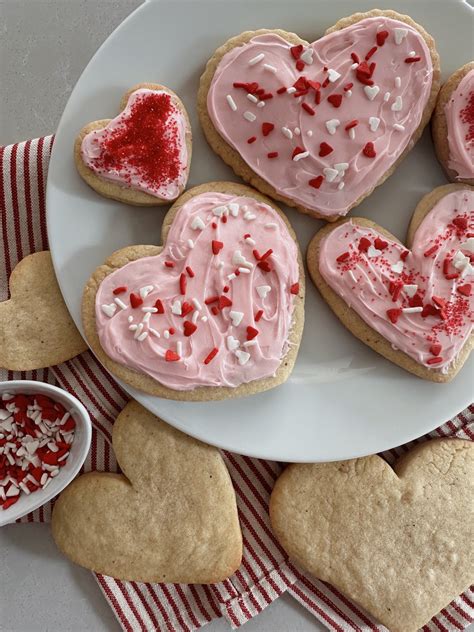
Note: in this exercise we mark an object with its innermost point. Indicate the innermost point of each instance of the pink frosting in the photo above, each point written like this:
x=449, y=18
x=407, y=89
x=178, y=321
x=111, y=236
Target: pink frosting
x=206, y=220
x=369, y=285
x=403, y=91
x=459, y=112
x=171, y=131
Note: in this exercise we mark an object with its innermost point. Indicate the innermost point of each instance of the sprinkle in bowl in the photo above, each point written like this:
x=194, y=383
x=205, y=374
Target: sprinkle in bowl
x=49, y=435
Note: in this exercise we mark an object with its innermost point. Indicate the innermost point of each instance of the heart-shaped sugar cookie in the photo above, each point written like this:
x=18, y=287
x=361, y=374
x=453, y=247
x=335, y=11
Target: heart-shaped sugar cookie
x=319, y=126
x=143, y=155
x=171, y=516
x=216, y=312
x=397, y=541
x=415, y=307
x=36, y=330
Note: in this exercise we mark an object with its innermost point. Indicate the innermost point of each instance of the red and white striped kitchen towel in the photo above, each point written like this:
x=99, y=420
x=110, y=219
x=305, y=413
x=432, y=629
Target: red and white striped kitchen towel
x=265, y=572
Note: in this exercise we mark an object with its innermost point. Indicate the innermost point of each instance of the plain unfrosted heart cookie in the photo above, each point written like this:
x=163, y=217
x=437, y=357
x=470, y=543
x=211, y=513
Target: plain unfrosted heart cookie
x=397, y=541
x=216, y=312
x=415, y=307
x=319, y=126
x=36, y=330
x=143, y=155
x=171, y=516
x=452, y=125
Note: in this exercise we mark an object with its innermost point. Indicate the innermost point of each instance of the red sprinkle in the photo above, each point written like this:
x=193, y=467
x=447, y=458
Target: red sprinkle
x=159, y=306
x=460, y=222
x=355, y=58
x=214, y=225
x=364, y=244
x=182, y=283
x=266, y=254
x=439, y=302
x=431, y=251
x=411, y=60
x=325, y=149
x=186, y=308
x=435, y=349
x=446, y=264
x=351, y=124
x=296, y=151
x=299, y=65
x=252, y=332
x=434, y=360
x=281, y=90
x=370, y=53
x=465, y=290
x=380, y=244
x=169, y=264
x=267, y=128
x=190, y=271
x=251, y=140
x=224, y=302
x=256, y=254
x=215, y=310
x=394, y=314
x=135, y=300
x=429, y=310
x=258, y=315
x=172, y=331
x=363, y=69
x=450, y=277
x=171, y=356
x=396, y=292
x=404, y=255
x=272, y=154
x=216, y=246
x=307, y=108
x=211, y=299
x=226, y=288
x=189, y=328
x=266, y=96
x=211, y=355
x=369, y=150
x=224, y=219
x=264, y=265
x=296, y=51
x=381, y=37
x=335, y=100
x=344, y=257
x=348, y=86
x=316, y=182
x=415, y=301
x=120, y=290
x=295, y=288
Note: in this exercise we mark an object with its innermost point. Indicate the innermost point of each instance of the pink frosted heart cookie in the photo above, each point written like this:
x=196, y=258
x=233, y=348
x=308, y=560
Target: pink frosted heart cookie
x=216, y=312
x=453, y=125
x=416, y=306
x=319, y=126
x=142, y=156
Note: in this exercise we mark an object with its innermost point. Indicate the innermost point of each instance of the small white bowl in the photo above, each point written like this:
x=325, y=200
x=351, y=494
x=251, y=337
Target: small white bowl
x=79, y=449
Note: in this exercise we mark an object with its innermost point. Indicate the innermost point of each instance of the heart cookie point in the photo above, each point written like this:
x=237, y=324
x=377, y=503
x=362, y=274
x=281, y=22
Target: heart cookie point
x=298, y=99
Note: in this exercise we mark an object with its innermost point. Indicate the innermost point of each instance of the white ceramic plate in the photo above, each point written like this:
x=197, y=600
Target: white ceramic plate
x=342, y=400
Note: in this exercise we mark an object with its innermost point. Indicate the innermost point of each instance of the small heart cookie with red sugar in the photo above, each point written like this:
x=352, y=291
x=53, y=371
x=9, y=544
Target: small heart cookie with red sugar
x=415, y=304
x=319, y=126
x=171, y=516
x=216, y=312
x=143, y=155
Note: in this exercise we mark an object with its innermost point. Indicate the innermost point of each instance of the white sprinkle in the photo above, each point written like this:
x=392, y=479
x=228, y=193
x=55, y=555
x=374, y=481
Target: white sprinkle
x=340, y=186
x=309, y=133
x=332, y=125
x=302, y=154
x=410, y=290
x=411, y=53
x=234, y=209
x=330, y=174
x=412, y=310
x=14, y=491
x=232, y=343
x=231, y=103
x=242, y=356
x=179, y=348
x=386, y=96
x=261, y=104
x=307, y=56
x=270, y=68
x=290, y=90
x=204, y=319
x=397, y=267
x=400, y=35
x=130, y=319
x=352, y=275
x=398, y=82
x=146, y=317
x=249, y=116
x=262, y=290
x=43, y=479
x=120, y=303
x=219, y=264
x=6, y=397
x=138, y=331
x=287, y=132
x=151, y=310
x=460, y=260
x=231, y=276
x=109, y=310
x=352, y=133
x=197, y=223
x=333, y=75
x=166, y=334
x=397, y=104
x=236, y=317
x=468, y=245
x=348, y=93
x=145, y=290
x=250, y=241
x=176, y=307
x=219, y=211
x=371, y=92
x=250, y=343
x=196, y=304
x=341, y=166
x=373, y=252
x=132, y=327
x=398, y=127
x=140, y=338
x=244, y=270
x=271, y=226
x=248, y=215
x=374, y=123
x=252, y=97
x=256, y=59
x=297, y=131
x=190, y=243
x=154, y=332
x=195, y=316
